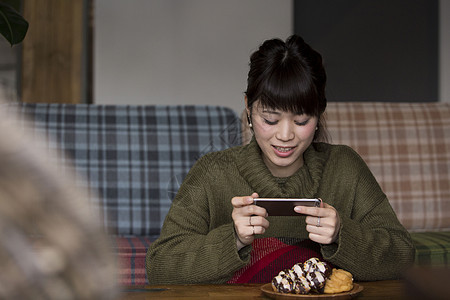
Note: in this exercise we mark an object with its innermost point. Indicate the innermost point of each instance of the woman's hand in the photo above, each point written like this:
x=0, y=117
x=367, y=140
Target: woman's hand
x=248, y=219
x=322, y=223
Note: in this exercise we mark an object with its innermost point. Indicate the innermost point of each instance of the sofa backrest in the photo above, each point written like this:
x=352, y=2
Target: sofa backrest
x=407, y=147
x=133, y=157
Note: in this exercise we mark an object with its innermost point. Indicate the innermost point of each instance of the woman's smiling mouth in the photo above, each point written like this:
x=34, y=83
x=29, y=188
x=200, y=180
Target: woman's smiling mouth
x=283, y=151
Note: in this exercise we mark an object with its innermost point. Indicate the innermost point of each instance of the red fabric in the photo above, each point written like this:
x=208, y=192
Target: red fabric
x=131, y=252
x=268, y=257
x=271, y=255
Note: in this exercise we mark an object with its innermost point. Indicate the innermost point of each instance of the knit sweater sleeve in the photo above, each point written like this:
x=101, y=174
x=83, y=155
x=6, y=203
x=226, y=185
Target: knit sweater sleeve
x=372, y=243
x=190, y=249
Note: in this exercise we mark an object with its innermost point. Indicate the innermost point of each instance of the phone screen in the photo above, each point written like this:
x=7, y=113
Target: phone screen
x=283, y=206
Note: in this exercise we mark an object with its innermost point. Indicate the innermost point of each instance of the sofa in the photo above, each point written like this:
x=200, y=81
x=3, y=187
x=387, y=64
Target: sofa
x=133, y=159
x=407, y=147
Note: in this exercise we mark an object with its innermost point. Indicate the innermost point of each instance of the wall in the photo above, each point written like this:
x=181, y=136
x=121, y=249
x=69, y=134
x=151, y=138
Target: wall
x=231, y=28
x=9, y=58
x=8, y=66
x=444, y=50
x=380, y=50
x=178, y=52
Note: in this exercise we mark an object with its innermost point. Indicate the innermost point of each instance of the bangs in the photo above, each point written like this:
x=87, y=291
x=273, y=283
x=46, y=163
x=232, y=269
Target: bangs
x=290, y=89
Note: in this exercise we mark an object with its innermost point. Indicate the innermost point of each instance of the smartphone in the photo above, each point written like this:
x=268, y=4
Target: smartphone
x=283, y=206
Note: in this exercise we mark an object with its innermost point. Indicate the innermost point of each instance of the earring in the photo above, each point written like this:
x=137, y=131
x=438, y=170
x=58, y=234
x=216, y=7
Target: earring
x=317, y=127
x=249, y=121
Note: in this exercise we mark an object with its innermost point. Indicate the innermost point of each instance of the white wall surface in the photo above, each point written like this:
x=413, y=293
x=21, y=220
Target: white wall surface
x=181, y=51
x=444, y=50
x=196, y=51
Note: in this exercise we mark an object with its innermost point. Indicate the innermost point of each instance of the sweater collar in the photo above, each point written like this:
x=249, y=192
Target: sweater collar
x=302, y=184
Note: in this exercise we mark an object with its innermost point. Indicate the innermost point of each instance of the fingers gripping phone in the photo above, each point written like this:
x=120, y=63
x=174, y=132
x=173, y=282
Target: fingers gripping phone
x=284, y=206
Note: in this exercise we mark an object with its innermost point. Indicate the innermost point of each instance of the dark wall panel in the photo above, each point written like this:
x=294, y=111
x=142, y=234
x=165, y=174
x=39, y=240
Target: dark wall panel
x=374, y=50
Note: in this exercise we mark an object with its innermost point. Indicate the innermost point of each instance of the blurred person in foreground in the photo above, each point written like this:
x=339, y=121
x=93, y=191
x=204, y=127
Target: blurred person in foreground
x=52, y=245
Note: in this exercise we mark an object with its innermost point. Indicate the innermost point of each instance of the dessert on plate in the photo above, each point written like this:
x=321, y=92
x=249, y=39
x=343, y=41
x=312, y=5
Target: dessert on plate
x=312, y=277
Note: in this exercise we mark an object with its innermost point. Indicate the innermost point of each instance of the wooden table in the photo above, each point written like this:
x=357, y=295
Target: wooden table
x=390, y=289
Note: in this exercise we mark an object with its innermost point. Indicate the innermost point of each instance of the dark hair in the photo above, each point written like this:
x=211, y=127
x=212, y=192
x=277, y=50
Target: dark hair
x=288, y=76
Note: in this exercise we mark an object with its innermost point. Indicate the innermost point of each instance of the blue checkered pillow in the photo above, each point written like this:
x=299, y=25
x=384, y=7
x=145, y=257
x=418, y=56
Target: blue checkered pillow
x=135, y=157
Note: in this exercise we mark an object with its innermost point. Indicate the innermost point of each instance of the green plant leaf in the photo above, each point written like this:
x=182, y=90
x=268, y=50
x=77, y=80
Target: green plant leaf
x=12, y=25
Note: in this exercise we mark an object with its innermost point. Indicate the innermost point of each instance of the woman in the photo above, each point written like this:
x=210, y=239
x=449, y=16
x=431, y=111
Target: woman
x=214, y=234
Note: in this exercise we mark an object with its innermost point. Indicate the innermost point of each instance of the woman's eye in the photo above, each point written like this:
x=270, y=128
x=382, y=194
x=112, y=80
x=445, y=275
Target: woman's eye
x=302, y=123
x=270, y=122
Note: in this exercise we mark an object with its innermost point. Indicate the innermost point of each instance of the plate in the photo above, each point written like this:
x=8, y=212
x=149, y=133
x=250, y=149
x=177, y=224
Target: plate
x=268, y=291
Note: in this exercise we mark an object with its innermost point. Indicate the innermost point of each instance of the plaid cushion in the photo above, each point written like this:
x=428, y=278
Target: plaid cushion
x=131, y=252
x=134, y=156
x=407, y=147
x=432, y=248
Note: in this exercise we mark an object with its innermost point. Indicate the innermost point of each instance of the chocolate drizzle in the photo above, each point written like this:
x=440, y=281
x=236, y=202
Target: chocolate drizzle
x=309, y=277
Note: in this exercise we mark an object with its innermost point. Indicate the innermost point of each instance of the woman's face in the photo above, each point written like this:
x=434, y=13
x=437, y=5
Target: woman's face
x=283, y=138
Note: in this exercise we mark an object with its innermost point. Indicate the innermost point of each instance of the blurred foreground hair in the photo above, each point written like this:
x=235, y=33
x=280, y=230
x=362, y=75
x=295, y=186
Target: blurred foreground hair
x=52, y=245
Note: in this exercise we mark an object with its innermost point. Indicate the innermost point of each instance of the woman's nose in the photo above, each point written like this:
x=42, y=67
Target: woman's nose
x=285, y=131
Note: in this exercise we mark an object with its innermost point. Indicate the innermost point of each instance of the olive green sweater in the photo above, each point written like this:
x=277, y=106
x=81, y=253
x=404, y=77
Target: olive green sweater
x=198, y=243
